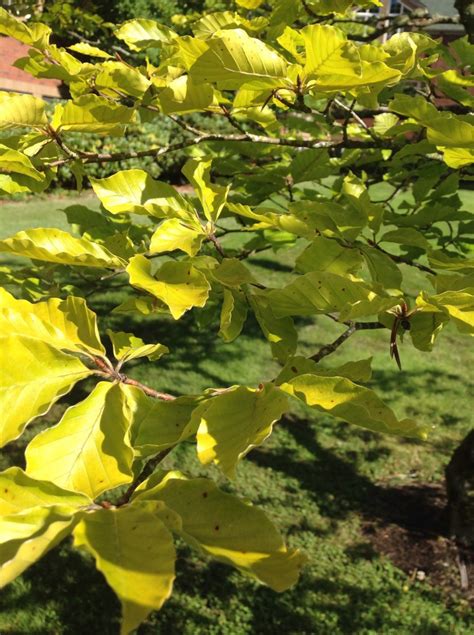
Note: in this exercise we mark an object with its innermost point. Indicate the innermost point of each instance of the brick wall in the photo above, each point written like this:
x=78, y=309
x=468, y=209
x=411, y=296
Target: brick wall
x=16, y=80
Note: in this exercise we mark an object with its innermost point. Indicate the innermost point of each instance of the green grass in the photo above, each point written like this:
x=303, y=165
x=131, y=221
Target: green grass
x=317, y=478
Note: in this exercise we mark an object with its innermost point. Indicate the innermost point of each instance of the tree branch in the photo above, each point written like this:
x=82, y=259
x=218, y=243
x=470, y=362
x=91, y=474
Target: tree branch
x=106, y=157
x=401, y=260
x=328, y=349
x=108, y=372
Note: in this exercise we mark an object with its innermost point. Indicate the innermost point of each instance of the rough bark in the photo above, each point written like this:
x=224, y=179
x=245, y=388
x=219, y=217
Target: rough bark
x=460, y=491
x=466, y=11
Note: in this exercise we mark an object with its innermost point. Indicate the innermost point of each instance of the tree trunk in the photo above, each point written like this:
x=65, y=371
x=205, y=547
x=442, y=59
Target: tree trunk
x=460, y=491
x=466, y=11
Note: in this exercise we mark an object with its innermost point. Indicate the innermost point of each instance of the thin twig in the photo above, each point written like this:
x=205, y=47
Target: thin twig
x=108, y=372
x=402, y=260
x=147, y=471
x=151, y=392
x=217, y=245
x=353, y=327
x=360, y=121
x=105, y=157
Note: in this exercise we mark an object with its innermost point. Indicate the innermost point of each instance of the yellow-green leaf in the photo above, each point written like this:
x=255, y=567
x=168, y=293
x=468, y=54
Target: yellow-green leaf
x=213, y=197
x=226, y=528
x=323, y=292
x=116, y=77
x=329, y=53
x=234, y=422
x=21, y=110
x=27, y=536
x=174, y=234
x=324, y=254
x=459, y=305
x=34, y=375
x=178, y=284
x=232, y=272
x=136, y=192
x=55, y=245
x=91, y=113
x=356, y=404
x=158, y=425
x=135, y=552
x=232, y=58
x=127, y=347
x=182, y=95
x=88, y=451
x=355, y=371
x=65, y=324
x=19, y=492
x=280, y=332
x=140, y=34
x=233, y=314
x=86, y=49
x=17, y=162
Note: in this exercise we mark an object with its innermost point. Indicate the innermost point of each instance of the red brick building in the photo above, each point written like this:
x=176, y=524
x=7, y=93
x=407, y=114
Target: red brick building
x=18, y=81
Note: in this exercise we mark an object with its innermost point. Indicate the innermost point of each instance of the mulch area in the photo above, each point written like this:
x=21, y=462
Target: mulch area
x=410, y=527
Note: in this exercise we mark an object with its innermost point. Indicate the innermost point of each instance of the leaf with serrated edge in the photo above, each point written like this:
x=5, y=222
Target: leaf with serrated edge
x=88, y=451
x=33, y=383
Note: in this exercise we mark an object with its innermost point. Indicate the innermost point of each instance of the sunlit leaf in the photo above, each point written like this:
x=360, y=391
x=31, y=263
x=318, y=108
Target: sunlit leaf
x=226, y=528
x=65, y=324
x=88, y=450
x=127, y=347
x=355, y=404
x=55, y=245
x=135, y=552
x=212, y=196
x=30, y=386
x=21, y=110
x=141, y=34
x=27, y=536
x=174, y=234
x=232, y=58
x=178, y=284
x=234, y=422
x=136, y=192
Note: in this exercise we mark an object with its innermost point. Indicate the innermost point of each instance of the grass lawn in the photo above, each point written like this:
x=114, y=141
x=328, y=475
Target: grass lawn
x=332, y=489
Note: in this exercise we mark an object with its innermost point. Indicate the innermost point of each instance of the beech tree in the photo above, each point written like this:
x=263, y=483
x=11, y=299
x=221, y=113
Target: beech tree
x=321, y=109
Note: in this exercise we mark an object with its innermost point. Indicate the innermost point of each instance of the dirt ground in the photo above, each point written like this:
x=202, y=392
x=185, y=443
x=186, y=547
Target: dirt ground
x=410, y=527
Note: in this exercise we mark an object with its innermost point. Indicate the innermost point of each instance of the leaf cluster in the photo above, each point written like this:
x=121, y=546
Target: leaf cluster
x=350, y=153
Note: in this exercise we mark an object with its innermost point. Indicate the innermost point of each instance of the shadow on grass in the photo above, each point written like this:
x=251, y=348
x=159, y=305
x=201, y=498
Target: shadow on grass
x=338, y=489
